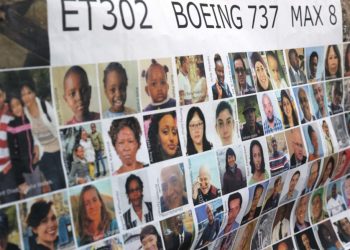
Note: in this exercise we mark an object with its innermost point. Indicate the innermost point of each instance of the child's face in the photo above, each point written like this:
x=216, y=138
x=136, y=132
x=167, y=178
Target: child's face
x=77, y=95
x=157, y=85
x=115, y=91
x=16, y=107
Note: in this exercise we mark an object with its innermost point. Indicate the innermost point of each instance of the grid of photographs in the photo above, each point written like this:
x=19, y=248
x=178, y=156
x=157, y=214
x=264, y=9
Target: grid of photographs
x=242, y=150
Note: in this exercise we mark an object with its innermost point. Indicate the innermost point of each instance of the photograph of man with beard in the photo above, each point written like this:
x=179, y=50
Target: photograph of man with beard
x=314, y=63
x=271, y=116
x=173, y=186
x=296, y=68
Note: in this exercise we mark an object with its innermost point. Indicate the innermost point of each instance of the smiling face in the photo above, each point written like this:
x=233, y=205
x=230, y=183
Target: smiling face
x=172, y=186
x=231, y=160
x=126, y=146
x=318, y=93
x=28, y=96
x=220, y=72
x=115, y=91
x=196, y=127
x=224, y=127
x=149, y=242
x=168, y=136
x=257, y=157
x=157, y=84
x=262, y=76
x=273, y=64
x=287, y=107
x=268, y=108
x=92, y=205
x=47, y=229
x=16, y=107
x=204, y=180
x=332, y=62
x=77, y=95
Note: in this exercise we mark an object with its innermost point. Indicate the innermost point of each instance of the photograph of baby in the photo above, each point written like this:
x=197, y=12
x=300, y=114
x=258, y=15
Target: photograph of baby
x=84, y=153
x=232, y=169
x=219, y=77
x=125, y=144
x=134, y=199
x=209, y=219
x=119, y=88
x=162, y=136
x=46, y=223
x=241, y=74
x=277, y=68
x=314, y=59
x=191, y=79
x=76, y=93
x=156, y=84
x=205, y=177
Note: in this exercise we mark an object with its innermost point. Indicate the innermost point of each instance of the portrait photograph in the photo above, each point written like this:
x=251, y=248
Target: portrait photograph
x=314, y=63
x=312, y=135
x=171, y=183
x=249, y=117
x=317, y=205
x=209, y=219
x=273, y=193
x=126, y=147
x=342, y=166
x=296, y=66
x=257, y=164
x=156, y=84
x=313, y=174
x=134, y=199
x=300, y=214
x=29, y=136
x=76, y=93
x=333, y=65
x=346, y=59
x=260, y=71
x=36, y=214
x=197, y=126
x=281, y=225
x=328, y=135
x=226, y=122
x=334, y=90
x=277, y=68
x=346, y=189
x=90, y=203
x=306, y=240
x=319, y=100
x=232, y=169
x=270, y=113
x=178, y=231
x=219, y=77
x=288, y=108
x=147, y=237
x=329, y=165
x=341, y=225
x=24, y=38
x=205, y=177
x=296, y=147
x=262, y=234
x=293, y=184
x=305, y=106
x=335, y=200
x=191, y=80
x=326, y=236
x=244, y=236
x=10, y=235
x=84, y=153
x=162, y=136
x=256, y=199
x=346, y=20
x=119, y=88
x=241, y=74
x=286, y=244
x=340, y=129
x=278, y=153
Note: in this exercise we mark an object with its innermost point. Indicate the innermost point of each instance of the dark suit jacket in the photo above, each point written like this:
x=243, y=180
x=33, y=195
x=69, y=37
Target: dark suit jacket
x=293, y=80
x=293, y=161
x=172, y=241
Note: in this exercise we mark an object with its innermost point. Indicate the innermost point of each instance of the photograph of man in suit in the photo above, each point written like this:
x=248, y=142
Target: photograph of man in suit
x=297, y=76
x=179, y=238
